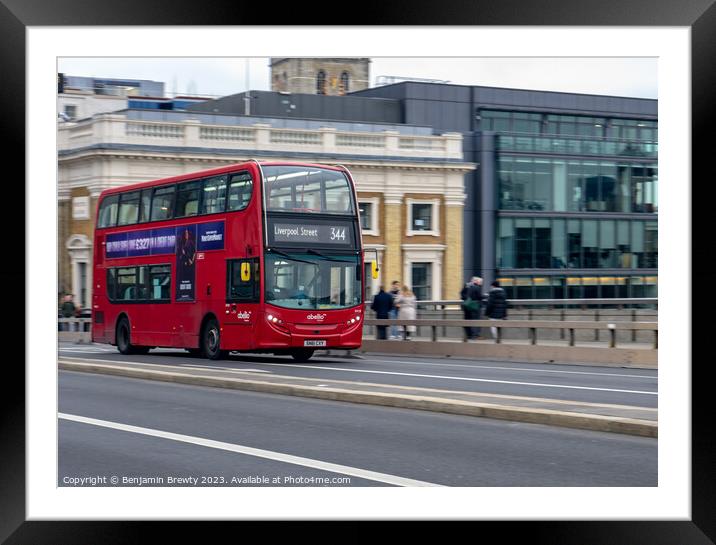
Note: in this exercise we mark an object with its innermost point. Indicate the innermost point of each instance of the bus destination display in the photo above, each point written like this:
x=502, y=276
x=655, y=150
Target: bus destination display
x=326, y=234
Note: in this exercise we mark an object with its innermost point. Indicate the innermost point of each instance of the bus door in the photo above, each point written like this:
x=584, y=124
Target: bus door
x=156, y=283
x=243, y=283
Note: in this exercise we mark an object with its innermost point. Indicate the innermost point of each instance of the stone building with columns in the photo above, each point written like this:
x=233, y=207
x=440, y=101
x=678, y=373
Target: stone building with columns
x=409, y=182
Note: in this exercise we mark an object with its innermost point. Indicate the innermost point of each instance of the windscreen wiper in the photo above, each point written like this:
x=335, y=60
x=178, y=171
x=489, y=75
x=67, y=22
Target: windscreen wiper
x=314, y=252
x=287, y=256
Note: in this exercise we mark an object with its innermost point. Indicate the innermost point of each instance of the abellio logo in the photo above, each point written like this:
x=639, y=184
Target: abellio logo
x=316, y=317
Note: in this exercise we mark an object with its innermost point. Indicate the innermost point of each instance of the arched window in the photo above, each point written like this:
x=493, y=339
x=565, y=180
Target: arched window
x=345, y=83
x=321, y=83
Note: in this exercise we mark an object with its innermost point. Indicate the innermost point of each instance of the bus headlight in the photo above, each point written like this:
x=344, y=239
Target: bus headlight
x=277, y=323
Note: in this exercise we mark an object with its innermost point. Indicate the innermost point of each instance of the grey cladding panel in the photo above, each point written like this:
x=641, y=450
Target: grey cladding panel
x=486, y=96
x=415, y=112
x=569, y=101
x=332, y=110
x=469, y=145
x=588, y=103
x=613, y=104
x=455, y=117
x=417, y=91
x=456, y=93
x=395, y=92
x=390, y=112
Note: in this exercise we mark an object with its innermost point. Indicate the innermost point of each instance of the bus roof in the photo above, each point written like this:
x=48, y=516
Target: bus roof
x=208, y=172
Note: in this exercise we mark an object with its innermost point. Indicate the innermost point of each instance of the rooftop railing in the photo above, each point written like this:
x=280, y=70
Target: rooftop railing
x=117, y=129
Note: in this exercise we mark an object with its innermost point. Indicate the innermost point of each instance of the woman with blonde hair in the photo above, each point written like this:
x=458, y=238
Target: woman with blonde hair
x=407, y=308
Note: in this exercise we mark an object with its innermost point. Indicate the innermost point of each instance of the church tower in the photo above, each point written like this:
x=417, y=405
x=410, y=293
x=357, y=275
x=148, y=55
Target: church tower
x=319, y=76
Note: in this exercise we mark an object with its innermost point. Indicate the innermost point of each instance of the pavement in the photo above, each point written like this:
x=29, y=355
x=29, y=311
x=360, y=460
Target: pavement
x=640, y=421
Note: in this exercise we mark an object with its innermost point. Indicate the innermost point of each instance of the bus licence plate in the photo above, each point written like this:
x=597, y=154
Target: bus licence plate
x=314, y=343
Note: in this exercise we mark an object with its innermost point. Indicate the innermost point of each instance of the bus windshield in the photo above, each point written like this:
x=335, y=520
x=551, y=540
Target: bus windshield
x=292, y=188
x=309, y=280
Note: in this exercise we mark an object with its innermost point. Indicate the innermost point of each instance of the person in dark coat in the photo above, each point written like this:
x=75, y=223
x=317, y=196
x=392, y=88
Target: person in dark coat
x=382, y=304
x=496, y=305
x=68, y=310
x=473, y=290
x=465, y=312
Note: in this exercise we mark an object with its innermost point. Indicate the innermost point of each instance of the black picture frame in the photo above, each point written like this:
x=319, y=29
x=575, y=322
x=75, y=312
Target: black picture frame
x=698, y=15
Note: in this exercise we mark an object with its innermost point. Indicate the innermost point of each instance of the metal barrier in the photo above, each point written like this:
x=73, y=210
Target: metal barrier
x=537, y=347
x=531, y=325
x=606, y=309
x=76, y=330
x=74, y=324
x=69, y=328
x=640, y=302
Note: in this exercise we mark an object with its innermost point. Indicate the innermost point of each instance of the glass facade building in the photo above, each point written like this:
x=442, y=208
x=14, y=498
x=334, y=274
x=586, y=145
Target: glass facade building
x=576, y=199
x=565, y=197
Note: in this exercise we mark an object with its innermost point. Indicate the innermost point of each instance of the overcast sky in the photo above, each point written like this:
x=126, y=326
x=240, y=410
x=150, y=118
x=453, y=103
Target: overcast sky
x=631, y=77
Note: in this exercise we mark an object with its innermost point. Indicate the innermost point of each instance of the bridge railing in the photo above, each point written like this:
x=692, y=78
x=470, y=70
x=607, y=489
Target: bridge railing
x=551, y=316
x=570, y=329
x=74, y=324
x=650, y=303
x=595, y=310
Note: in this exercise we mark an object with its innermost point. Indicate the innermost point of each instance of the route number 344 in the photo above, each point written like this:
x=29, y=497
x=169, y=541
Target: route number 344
x=338, y=233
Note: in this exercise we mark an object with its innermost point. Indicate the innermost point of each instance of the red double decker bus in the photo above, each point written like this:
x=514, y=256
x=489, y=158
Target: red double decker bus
x=255, y=257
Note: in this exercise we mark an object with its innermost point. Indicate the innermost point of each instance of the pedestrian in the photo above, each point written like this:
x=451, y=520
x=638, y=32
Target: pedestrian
x=394, y=291
x=496, y=308
x=68, y=309
x=471, y=296
x=407, y=304
x=382, y=304
x=465, y=313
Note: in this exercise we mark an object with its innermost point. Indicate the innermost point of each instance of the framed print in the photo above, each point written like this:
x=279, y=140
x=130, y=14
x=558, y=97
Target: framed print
x=34, y=37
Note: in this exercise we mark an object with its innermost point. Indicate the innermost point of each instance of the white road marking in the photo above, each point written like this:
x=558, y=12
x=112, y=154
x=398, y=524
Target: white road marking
x=417, y=375
x=468, y=379
x=71, y=359
x=477, y=366
x=232, y=369
x=250, y=451
x=86, y=349
x=165, y=365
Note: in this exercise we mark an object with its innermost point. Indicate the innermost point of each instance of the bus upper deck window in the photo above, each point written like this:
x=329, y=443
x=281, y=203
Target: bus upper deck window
x=108, y=211
x=241, y=187
x=162, y=204
x=128, y=208
x=214, y=197
x=187, y=201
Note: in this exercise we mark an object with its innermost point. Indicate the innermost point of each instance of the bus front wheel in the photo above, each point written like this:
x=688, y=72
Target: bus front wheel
x=211, y=341
x=302, y=354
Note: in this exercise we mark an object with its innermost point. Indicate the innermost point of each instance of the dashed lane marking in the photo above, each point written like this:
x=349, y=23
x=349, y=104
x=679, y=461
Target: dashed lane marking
x=478, y=366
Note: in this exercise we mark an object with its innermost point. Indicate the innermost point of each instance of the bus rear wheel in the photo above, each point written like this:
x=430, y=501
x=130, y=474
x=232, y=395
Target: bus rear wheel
x=124, y=344
x=302, y=354
x=211, y=341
